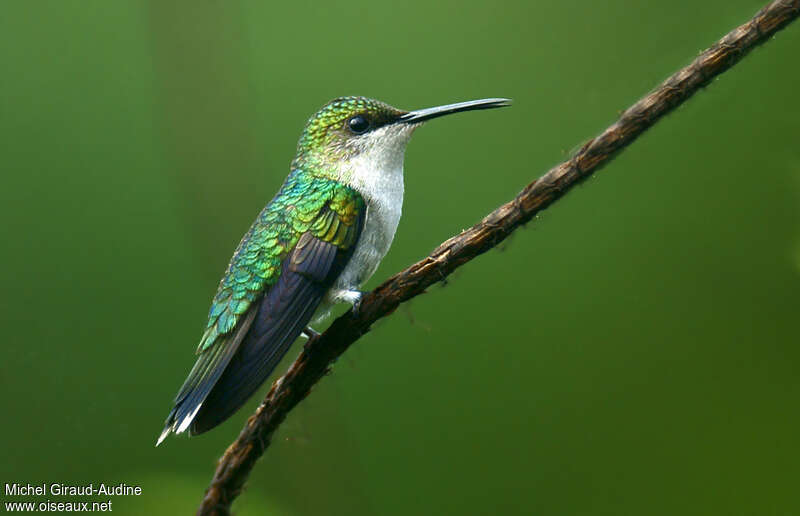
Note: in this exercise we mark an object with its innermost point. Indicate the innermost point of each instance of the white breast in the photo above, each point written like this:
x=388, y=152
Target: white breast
x=377, y=174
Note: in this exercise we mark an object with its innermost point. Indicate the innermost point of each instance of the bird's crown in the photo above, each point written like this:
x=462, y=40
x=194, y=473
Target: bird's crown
x=343, y=118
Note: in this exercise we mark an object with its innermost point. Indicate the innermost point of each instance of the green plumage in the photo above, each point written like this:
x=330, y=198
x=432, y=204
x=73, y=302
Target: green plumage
x=312, y=244
x=278, y=276
x=256, y=265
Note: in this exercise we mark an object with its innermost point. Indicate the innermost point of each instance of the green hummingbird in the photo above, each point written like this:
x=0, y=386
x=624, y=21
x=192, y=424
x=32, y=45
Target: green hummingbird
x=316, y=242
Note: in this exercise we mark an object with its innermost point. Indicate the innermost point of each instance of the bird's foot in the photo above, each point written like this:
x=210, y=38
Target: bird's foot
x=310, y=334
x=353, y=297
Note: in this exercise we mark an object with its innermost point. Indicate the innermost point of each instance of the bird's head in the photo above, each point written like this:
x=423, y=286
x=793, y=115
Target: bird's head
x=352, y=132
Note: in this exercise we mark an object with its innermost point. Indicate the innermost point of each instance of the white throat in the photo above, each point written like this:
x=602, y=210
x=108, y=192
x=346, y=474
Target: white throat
x=376, y=169
x=376, y=172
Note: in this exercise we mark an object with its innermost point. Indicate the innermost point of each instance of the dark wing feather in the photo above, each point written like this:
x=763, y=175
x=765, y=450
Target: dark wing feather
x=229, y=370
x=205, y=373
x=282, y=314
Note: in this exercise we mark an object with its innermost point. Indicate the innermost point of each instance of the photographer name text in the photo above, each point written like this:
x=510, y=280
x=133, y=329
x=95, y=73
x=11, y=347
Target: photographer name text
x=59, y=489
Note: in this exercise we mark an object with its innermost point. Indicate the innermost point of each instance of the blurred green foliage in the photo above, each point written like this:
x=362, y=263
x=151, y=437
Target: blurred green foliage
x=634, y=351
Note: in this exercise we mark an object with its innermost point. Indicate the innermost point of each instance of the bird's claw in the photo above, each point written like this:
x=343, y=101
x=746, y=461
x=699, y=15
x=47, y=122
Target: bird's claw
x=356, y=302
x=310, y=334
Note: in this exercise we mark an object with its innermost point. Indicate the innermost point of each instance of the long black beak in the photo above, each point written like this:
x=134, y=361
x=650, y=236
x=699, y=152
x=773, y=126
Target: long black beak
x=421, y=115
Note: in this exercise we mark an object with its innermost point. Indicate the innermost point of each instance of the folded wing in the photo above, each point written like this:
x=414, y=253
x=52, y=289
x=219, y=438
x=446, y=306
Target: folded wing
x=232, y=368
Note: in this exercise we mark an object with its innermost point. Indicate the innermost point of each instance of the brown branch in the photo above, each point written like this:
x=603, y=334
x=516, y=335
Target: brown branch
x=315, y=361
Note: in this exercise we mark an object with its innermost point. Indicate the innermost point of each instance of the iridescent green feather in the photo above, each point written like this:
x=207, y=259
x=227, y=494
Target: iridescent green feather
x=299, y=207
x=322, y=143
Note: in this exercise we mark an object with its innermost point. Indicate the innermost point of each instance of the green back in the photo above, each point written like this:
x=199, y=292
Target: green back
x=256, y=263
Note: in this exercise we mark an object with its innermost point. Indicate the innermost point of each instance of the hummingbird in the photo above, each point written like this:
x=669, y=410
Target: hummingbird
x=314, y=245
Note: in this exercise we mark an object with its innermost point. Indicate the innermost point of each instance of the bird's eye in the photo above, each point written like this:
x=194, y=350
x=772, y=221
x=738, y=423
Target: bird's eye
x=358, y=124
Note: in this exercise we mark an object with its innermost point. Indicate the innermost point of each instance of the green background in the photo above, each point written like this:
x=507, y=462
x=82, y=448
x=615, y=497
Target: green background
x=632, y=351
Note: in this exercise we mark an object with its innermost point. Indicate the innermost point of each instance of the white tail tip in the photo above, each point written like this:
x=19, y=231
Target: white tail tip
x=163, y=435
